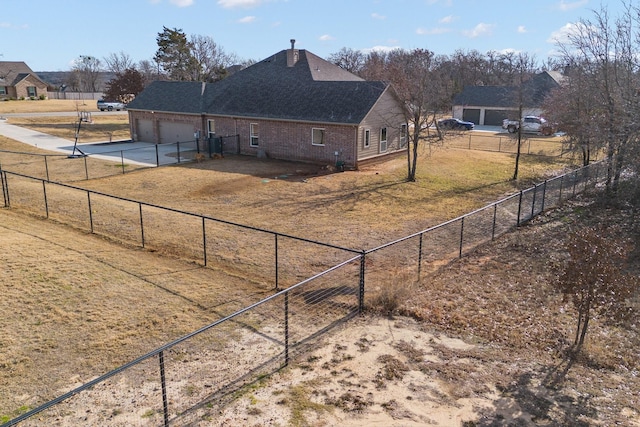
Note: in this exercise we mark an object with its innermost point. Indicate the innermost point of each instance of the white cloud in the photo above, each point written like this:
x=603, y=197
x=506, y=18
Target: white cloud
x=481, y=29
x=231, y=4
x=326, y=37
x=447, y=19
x=566, y=6
x=522, y=29
x=431, y=31
x=562, y=35
x=247, y=20
x=378, y=16
x=380, y=49
x=181, y=3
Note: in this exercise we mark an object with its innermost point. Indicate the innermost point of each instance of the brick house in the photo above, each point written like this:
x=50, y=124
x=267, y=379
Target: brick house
x=489, y=105
x=292, y=105
x=18, y=81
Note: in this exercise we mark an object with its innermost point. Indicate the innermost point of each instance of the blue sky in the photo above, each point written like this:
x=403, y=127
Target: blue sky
x=50, y=34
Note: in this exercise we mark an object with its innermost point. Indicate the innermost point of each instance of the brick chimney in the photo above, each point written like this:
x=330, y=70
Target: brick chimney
x=292, y=54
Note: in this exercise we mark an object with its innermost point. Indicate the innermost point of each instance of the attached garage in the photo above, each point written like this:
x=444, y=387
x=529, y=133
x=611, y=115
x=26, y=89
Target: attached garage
x=471, y=115
x=144, y=130
x=171, y=132
x=495, y=117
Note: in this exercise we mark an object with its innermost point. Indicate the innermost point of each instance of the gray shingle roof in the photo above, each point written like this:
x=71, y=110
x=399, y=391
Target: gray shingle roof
x=535, y=90
x=11, y=72
x=311, y=90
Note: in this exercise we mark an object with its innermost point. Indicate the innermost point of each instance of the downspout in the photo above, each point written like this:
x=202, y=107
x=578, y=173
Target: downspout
x=355, y=147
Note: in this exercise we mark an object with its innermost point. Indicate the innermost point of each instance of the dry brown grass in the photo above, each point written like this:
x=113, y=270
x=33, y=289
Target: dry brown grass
x=46, y=106
x=102, y=128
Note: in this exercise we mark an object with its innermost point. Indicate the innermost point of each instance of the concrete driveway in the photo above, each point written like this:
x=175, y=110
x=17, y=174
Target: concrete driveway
x=140, y=153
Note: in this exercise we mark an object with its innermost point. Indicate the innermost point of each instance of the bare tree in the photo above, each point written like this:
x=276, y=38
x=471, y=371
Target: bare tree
x=118, y=63
x=212, y=61
x=593, y=279
x=421, y=86
x=606, y=49
x=87, y=72
x=349, y=59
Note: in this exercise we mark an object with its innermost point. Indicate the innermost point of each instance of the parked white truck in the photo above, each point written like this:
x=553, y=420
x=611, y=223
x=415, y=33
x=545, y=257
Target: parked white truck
x=110, y=105
x=530, y=124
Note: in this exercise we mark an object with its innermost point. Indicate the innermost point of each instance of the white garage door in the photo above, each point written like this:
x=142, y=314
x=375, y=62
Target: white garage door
x=171, y=132
x=144, y=131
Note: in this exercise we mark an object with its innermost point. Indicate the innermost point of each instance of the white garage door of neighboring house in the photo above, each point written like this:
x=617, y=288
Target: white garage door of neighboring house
x=171, y=132
x=144, y=131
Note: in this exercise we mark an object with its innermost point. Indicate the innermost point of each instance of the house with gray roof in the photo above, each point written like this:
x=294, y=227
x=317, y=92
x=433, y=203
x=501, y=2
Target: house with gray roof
x=18, y=81
x=489, y=105
x=292, y=105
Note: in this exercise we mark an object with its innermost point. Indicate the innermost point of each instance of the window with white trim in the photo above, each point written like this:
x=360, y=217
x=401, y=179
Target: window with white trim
x=254, y=134
x=32, y=92
x=366, y=140
x=383, y=139
x=317, y=136
x=403, y=135
x=211, y=128
x=3, y=90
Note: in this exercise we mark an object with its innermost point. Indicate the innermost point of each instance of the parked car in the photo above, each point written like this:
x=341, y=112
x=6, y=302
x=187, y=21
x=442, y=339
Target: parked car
x=110, y=105
x=530, y=124
x=455, y=124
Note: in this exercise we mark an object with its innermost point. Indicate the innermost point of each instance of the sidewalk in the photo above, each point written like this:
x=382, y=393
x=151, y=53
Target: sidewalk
x=60, y=145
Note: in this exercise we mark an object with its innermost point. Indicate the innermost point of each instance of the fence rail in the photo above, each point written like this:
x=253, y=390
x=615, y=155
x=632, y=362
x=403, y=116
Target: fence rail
x=279, y=326
x=104, y=161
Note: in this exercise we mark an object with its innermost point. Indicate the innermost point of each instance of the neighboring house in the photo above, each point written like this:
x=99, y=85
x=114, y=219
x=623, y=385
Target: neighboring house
x=489, y=105
x=18, y=81
x=292, y=105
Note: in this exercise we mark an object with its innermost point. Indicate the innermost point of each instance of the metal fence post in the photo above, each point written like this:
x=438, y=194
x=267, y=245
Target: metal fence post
x=276, y=257
x=560, y=194
x=163, y=384
x=90, y=211
x=46, y=201
x=86, y=168
x=544, y=194
x=5, y=192
x=575, y=179
x=157, y=156
x=141, y=224
x=519, y=209
x=46, y=167
x=495, y=217
x=533, y=203
x=122, y=160
x=204, y=241
x=420, y=256
x=286, y=329
x=361, y=290
x=178, y=151
x=461, y=237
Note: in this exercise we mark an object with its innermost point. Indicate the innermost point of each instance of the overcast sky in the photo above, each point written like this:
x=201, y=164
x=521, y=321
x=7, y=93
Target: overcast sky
x=50, y=34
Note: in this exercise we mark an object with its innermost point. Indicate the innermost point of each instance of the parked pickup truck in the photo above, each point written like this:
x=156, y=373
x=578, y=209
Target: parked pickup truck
x=530, y=124
x=110, y=105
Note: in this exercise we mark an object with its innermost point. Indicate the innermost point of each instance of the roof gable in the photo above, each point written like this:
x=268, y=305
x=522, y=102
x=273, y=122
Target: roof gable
x=12, y=72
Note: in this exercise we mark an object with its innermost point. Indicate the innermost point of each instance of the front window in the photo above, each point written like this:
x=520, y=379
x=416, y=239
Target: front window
x=3, y=90
x=211, y=128
x=367, y=138
x=31, y=91
x=254, y=134
x=317, y=136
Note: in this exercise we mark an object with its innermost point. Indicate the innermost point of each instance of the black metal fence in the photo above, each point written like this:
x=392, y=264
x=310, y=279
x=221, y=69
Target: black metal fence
x=99, y=161
x=176, y=383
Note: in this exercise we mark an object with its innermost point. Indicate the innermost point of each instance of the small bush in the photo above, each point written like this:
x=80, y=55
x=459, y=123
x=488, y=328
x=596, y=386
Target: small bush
x=387, y=299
